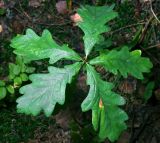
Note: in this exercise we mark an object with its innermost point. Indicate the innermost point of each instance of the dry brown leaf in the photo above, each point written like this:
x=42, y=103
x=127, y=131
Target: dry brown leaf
x=34, y=3
x=63, y=118
x=61, y=7
x=81, y=84
x=124, y=138
x=17, y=27
x=1, y=4
x=127, y=86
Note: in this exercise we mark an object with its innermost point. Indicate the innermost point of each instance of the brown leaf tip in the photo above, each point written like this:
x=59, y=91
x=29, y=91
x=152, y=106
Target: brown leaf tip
x=100, y=103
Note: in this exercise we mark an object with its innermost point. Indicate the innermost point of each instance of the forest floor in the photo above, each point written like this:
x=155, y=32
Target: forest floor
x=70, y=125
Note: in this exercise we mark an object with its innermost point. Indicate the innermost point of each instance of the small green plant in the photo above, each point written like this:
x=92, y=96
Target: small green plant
x=48, y=89
x=3, y=90
x=149, y=91
x=18, y=73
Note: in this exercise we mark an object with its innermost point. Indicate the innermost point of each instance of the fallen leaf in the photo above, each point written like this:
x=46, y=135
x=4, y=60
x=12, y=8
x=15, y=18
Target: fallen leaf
x=63, y=118
x=128, y=86
x=81, y=84
x=17, y=27
x=61, y=7
x=34, y=3
x=157, y=94
x=124, y=138
x=1, y=4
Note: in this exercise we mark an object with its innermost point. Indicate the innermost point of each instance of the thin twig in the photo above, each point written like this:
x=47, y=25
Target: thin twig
x=39, y=23
x=24, y=13
x=128, y=26
x=52, y=24
x=155, y=59
x=144, y=31
x=154, y=12
x=153, y=46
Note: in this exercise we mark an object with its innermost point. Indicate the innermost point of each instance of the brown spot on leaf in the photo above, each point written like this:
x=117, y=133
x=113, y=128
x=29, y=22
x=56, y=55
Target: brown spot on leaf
x=100, y=103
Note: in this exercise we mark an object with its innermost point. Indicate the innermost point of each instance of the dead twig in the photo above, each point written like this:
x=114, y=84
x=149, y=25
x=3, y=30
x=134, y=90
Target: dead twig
x=144, y=31
x=128, y=26
x=150, y=55
x=151, y=7
x=151, y=47
x=25, y=14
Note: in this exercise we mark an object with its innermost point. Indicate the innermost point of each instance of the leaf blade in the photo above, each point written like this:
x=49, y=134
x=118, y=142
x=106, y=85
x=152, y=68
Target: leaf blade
x=93, y=23
x=124, y=62
x=148, y=91
x=33, y=47
x=99, y=89
x=107, y=117
x=112, y=122
x=46, y=90
x=3, y=92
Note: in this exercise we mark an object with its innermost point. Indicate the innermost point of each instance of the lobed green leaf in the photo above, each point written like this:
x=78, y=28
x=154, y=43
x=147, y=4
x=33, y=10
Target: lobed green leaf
x=106, y=116
x=99, y=89
x=93, y=23
x=112, y=122
x=124, y=61
x=32, y=47
x=46, y=90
